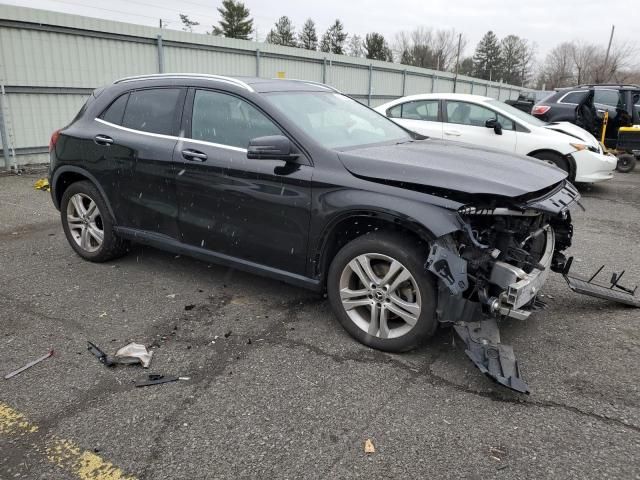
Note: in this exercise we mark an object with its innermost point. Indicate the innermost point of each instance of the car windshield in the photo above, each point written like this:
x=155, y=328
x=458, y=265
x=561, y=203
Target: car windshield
x=517, y=114
x=335, y=120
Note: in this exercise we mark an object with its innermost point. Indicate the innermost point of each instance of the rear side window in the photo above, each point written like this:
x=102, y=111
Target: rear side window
x=115, y=112
x=228, y=120
x=574, y=97
x=464, y=113
x=154, y=110
x=419, y=110
x=608, y=97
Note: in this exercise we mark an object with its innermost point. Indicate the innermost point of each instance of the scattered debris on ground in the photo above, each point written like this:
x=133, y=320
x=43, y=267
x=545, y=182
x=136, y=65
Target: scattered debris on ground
x=368, y=446
x=130, y=354
x=42, y=184
x=28, y=365
x=157, y=379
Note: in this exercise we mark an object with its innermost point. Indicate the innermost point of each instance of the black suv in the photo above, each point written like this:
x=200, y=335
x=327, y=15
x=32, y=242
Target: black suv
x=585, y=106
x=293, y=180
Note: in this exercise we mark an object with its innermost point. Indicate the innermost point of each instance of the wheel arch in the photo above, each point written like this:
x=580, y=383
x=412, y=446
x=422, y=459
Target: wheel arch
x=424, y=225
x=568, y=157
x=65, y=176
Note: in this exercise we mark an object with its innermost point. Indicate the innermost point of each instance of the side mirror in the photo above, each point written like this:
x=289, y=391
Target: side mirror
x=273, y=147
x=495, y=124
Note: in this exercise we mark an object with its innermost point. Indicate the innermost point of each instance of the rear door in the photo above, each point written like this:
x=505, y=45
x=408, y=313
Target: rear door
x=137, y=134
x=254, y=210
x=421, y=116
x=465, y=122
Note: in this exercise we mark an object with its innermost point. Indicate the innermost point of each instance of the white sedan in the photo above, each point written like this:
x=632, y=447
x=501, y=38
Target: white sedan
x=487, y=122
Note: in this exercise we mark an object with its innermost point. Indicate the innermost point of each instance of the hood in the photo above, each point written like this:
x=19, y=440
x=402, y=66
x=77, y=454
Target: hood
x=573, y=131
x=452, y=166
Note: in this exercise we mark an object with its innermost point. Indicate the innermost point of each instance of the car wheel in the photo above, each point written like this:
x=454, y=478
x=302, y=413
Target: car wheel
x=626, y=163
x=88, y=225
x=381, y=292
x=557, y=160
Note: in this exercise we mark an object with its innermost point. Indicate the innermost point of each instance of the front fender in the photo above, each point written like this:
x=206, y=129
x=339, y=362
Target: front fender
x=426, y=220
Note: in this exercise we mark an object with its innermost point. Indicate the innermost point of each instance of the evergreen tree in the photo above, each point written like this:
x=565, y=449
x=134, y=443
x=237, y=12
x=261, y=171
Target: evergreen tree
x=235, y=22
x=308, y=38
x=466, y=66
x=376, y=47
x=486, y=59
x=187, y=23
x=334, y=38
x=283, y=33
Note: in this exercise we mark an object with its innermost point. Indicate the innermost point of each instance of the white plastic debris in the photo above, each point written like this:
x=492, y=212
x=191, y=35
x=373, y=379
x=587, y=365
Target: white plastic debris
x=135, y=351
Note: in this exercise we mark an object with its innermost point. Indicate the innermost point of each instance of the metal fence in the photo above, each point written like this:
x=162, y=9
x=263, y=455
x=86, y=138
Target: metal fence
x=50, y=62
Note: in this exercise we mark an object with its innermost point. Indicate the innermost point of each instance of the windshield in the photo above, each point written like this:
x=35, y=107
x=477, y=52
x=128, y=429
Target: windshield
x=335, y=120
x=515, y=113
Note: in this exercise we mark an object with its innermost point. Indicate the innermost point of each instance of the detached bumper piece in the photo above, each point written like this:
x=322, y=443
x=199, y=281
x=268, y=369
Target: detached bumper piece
x=496, y=361
x=614, y=292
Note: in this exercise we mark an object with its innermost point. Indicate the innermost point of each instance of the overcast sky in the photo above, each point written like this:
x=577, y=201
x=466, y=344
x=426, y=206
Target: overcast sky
x=545, y=22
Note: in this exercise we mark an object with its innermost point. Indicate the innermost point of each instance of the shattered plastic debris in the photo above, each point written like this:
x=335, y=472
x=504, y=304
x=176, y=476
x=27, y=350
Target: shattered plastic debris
x=368, y=446
x=42, y=184
x=128, y=355
x=28, y=365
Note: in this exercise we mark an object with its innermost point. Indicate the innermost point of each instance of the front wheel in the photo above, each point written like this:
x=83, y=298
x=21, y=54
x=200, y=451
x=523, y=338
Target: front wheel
x=381, y=293
x=626, y=163
x=555, y=159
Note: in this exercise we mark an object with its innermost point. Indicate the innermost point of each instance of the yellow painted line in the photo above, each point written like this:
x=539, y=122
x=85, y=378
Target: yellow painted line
x=62, y=453
x=13, y=422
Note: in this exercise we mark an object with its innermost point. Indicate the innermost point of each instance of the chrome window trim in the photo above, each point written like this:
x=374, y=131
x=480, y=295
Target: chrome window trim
x=171, y=137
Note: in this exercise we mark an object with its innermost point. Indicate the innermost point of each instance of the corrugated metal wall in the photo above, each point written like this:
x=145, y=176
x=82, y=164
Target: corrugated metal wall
x=50, y=62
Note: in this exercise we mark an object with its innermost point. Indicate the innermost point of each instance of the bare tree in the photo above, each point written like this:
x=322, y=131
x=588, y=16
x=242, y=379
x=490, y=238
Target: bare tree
x=355, y=47
x=583, y=56
x=558, y=67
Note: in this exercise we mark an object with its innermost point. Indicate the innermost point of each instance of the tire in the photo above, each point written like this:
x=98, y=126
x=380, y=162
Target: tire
x=85, y=219
x=556, y=159
x=626, y=163
x=345, y=284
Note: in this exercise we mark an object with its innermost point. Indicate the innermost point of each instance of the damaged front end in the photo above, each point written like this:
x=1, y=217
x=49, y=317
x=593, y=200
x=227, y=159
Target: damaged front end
x=495, y=266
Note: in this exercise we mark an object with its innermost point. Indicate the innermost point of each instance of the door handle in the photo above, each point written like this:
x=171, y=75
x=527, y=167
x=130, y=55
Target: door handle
x=103, y=140
x=452, y=133
x=194, y=155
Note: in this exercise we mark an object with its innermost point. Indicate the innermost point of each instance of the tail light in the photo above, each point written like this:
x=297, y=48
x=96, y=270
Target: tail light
x=54, y=139
x=540, y=110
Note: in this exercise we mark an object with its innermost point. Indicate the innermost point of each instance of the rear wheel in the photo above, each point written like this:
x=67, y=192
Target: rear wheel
x=88, y=225
x=555, y=159
x=626, y=163
x=381, y=293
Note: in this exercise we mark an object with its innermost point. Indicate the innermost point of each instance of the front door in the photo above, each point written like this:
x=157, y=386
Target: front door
x=465, y=122
x=254, y=210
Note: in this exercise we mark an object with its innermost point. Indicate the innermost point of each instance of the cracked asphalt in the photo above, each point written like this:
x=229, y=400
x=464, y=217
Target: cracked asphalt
x=278, y=390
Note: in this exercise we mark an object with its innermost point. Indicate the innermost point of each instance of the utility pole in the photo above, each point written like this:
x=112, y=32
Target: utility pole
x=606, y=57
x=455, y=79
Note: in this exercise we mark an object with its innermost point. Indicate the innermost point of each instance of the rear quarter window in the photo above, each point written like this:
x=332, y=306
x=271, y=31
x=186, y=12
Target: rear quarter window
x=115, y=111
x=574, y=98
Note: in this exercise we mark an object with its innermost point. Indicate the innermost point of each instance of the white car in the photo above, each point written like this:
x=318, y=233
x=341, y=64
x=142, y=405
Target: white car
x=487, y=122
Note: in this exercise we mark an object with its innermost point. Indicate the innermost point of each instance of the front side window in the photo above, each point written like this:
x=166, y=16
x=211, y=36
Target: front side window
x=426, y=110
x=336, y=121
x=464, y=113
x=228, y=120
x=154, y=110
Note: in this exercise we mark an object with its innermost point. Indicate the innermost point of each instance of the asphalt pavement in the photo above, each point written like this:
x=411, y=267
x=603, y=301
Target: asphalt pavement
x=277, y=389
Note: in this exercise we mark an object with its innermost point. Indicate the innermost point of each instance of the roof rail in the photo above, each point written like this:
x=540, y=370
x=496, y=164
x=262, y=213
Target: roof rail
x=310, y=82
x=607, y=85
x=220, y=78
